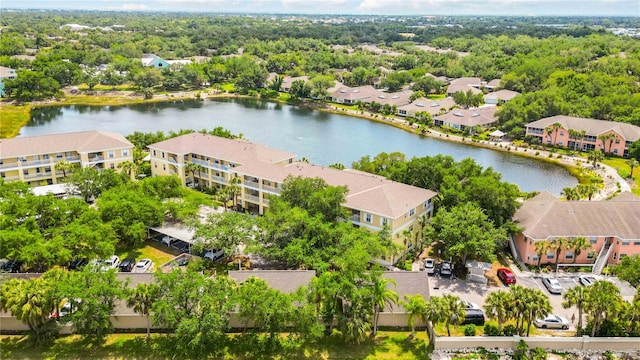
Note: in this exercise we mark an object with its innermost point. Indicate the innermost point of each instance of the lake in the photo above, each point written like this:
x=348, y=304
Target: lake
x=321, y=137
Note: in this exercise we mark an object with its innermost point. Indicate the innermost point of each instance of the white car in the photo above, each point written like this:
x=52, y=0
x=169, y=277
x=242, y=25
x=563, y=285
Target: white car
x=552, y=284
x=167, y=240
x=111, y=263
x=468, y=305
x=587, y=280
x=214, y=255
x=430, y=266
x=552, y=322
x=142, y=266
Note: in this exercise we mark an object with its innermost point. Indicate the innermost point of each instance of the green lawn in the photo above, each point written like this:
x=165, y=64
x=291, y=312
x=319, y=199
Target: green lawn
x=387, y=345
x=155, y=251
x=623, y=169
x=12, y=119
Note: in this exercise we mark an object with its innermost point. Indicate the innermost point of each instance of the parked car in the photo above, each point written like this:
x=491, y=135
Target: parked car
x=552, y=322
x=553, y=285
x=111, y=263
x=167, y=240
x=143, y=266
x=430, y=266
x=473, y=316
x=470, y=305
x=95, y=265
x=445, y=269
x=506, y=276
x=214, y=255
x=587, y=280
x=66, y=309
x=77, y=263
x=10, y=266
x=127, y=264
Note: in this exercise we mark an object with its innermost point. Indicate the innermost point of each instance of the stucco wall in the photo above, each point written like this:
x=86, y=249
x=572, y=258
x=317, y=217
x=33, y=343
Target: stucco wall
x=550, y=343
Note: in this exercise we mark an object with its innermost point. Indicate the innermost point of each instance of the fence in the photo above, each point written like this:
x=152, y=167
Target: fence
x=548, y=343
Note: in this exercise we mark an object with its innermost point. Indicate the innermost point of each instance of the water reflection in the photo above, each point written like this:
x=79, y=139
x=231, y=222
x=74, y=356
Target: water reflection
x=323, y=138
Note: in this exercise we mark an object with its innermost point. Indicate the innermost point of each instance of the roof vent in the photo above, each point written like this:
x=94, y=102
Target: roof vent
x=395, y=97
x=475, y=114
x=419, y=105
x=435, y=104
x=458, y=114
x=356, y=91
x=343, y=91
x=381, y=96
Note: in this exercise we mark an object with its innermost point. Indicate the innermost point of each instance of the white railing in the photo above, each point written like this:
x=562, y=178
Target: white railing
x=252, y=184
x=272, y=189
x=602, y=260
x=252, y=198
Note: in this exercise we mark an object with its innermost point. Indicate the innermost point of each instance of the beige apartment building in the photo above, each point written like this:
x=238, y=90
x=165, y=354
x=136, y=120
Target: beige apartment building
x=204, y=160
x=33, y=159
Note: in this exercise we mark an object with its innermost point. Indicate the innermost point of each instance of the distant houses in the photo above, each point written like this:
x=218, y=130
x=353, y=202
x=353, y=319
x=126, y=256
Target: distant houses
x=154, y=60
x=467, y=119
x=6, y=73
x=585, y=134
x=433, y=107
x=500, y=97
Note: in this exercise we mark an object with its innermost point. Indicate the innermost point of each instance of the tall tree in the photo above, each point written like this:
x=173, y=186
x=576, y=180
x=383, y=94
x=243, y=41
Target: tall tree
x=453, y=311
x=416, y=306
x=596, y=157
x=382, y=296
x=141, y=299
x=578, y=244
x=633, y=163
x=603, y=299
x=576, y=296
x=557, y=245
x=498, y=305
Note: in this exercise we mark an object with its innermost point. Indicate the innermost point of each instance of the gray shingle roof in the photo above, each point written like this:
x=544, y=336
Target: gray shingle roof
x=286, y=281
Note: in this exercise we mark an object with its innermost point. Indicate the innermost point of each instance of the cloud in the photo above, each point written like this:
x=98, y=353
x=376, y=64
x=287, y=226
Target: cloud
x=134, y=7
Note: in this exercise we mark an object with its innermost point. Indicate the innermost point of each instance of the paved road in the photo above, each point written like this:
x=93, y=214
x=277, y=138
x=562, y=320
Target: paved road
x=477, y=292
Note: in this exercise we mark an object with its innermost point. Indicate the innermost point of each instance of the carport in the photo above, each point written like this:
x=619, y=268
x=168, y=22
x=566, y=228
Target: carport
x=183, y=236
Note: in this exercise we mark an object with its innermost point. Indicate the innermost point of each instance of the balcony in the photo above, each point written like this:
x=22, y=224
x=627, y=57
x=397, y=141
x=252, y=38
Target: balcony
x=252, y=184
x=271, y=189
x=35, y=162
x=219, y=179
x=13, y=165
x=252, y=198
x=38, y=175
x=96, y=158
x=11, y=178
x=173, y=160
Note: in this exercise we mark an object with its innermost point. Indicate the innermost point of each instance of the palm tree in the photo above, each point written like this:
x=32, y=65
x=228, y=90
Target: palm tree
x=453, y=311
x=28, y=302
x=574, y=135
x=558, y=244
x=583, y=134
x=578, y=244
x=382, y=297
x=127, y=166
x=234, y=189
x=541, y=248
x=571, y=193
x=538, y=305
x=141, y=299
x=587, y=190
x=416, y=306
x=603, y=298
x=596, y=156
x=434, y=314
x=553, y=129
x=576, y=296
x=633, y=163
x=64, y=166
x=518, y=294
x=498, y=305
x=194, y=168
x=607, y=138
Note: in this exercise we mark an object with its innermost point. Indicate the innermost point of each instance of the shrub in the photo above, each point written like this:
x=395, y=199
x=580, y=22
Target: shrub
x=491, y=330
x=509, y=330
x=470, y=330
x=537, y=153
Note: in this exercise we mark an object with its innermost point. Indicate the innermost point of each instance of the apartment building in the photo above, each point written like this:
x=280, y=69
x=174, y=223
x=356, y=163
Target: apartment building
x=33, y=159
x=585, y=134
x=612, y=227
x=373, y=201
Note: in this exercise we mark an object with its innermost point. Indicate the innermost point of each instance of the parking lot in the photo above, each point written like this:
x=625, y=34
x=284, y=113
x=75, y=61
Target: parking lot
x=477, y=292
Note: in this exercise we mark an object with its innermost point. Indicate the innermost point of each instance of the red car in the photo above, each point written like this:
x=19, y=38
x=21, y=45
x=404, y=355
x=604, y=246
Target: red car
x=506, y=276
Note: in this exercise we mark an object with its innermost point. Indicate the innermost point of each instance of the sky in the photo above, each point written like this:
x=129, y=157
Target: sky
x=360, y=7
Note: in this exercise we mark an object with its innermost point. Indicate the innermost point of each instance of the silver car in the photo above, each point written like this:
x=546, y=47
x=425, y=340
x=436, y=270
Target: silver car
x=552, y=322
x=587, y=280
x=552, y=284
x=430, y=266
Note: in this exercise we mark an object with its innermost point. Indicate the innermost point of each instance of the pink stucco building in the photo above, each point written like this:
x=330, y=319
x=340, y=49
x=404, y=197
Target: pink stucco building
x=585, y=134
x=612, y=227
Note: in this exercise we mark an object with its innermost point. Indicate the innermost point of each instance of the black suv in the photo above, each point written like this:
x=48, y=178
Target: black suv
x=473, y=316
x=10, y=266
x=127, y=264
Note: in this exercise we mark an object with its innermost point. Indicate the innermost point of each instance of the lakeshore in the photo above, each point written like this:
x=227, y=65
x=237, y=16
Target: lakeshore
x=577, y=166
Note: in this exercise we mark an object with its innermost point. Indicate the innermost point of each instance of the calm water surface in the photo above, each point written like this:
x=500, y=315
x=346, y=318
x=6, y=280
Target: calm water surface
x=320, y=137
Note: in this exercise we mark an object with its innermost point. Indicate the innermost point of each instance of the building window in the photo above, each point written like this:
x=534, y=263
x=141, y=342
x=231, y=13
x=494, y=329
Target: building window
x=45, y=157
x=535, y=257
x=637, y=242
x=368, y=218
x=111, y=154
x=25, y=172
x=625, y=242
x=37, y=170
x=125, y=152
x=59, y=155
x=617, y=141
x=411, y=228
x=47, y=169
x=412, y=212
x=112, y=166
x=163, y=154
x=568, y=255
x=384, y=221
x=154, y=153
x=591, y=255
x=550, y=255
x=593, y=239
